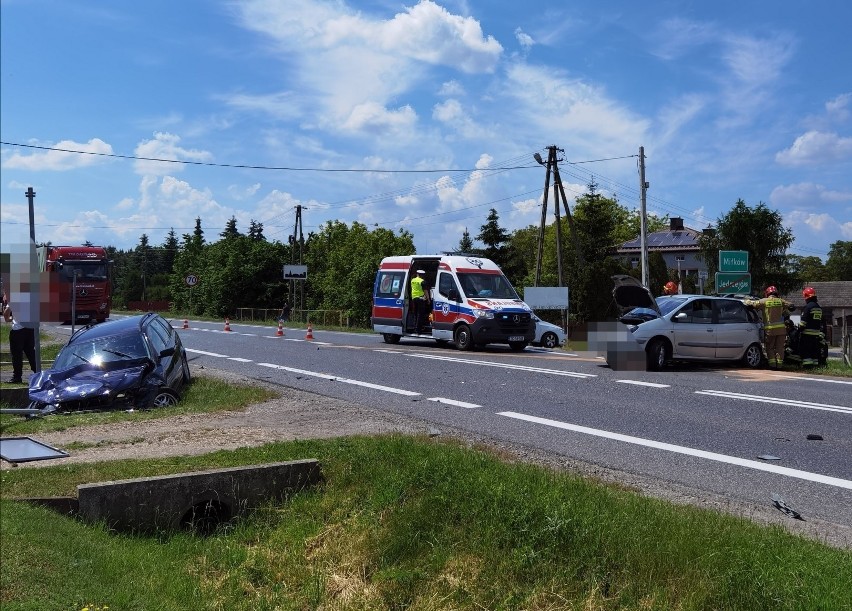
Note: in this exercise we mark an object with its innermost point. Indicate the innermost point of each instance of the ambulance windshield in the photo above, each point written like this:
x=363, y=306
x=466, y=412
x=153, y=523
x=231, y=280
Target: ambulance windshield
x=487, y=286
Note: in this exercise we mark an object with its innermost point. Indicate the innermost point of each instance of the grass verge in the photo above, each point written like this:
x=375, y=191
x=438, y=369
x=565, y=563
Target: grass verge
x=404, y=522
x=204, y=395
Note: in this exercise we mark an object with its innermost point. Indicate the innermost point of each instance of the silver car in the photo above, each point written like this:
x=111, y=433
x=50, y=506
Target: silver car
x=689, y=327
x=547, y=335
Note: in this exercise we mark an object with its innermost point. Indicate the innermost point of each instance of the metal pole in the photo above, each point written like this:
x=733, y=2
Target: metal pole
x=643, y=219
x=550, y=156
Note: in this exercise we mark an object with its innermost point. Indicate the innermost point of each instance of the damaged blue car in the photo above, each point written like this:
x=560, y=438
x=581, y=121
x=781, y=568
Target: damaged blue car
x=136, y=362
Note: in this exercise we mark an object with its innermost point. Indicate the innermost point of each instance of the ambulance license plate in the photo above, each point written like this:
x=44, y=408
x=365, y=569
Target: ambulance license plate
x=516, y=338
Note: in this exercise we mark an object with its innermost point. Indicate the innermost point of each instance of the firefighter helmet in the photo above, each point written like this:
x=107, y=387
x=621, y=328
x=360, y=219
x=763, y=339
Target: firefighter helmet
x=771, y=290
x=808, y=292
x=669, y=288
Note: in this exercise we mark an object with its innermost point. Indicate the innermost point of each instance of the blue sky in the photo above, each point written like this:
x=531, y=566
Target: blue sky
x=417, y=115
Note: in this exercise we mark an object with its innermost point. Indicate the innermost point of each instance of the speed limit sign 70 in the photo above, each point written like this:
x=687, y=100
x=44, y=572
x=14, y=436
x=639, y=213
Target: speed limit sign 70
x=191, y=280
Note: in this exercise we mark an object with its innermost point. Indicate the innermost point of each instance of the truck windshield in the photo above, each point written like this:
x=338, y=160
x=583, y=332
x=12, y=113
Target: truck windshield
x=85, y=271
x=490, y=286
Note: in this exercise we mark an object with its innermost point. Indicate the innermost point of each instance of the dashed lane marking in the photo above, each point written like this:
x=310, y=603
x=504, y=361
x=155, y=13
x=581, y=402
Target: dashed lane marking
x=333, y=378
x=454, y=402
x=776, y=400
x=640, y=383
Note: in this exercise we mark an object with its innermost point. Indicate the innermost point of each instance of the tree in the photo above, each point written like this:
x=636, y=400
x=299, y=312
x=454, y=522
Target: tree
x=807, y=269
x=230, y=230
x=255, y=231
x=466, y=243
x=494, y=237
x=839, y=264
x=759, y=231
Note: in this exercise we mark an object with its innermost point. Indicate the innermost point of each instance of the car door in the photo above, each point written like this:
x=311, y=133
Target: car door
x=694, y=331
x=162, y=337
x=734, y=331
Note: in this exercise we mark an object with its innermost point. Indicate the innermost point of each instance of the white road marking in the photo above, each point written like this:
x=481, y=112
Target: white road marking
x=453, y=402
x=332, y=378
x=723, y=458
x=778, y=375
x=640, y=383
x=238, y=359
x=778, y=401
x=505, y=366
x=223, y=356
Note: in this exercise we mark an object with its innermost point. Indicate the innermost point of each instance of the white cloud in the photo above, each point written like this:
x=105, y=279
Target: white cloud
x=815, y=147
x=242, y=193
x=451, y=88
x=809, y=195
x=165, y=146
x=375, y=118
x=525, y=40
x=838, y=108
x=447, y=111
x=349, y=66
x=59, y=160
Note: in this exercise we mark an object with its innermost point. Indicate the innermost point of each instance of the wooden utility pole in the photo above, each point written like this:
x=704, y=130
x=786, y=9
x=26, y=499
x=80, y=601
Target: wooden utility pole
x=643, y=218
x=34, y=272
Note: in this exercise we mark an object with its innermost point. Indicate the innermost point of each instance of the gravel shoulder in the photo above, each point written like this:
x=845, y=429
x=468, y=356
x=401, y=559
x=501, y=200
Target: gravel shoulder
x=296, y=414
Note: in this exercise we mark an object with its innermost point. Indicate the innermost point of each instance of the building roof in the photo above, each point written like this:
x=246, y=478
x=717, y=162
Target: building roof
x=669, y=239
x=834, y=295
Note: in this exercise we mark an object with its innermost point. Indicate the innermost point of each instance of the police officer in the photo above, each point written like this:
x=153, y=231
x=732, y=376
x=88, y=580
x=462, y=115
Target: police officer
x=773, y=309
x=812, y=328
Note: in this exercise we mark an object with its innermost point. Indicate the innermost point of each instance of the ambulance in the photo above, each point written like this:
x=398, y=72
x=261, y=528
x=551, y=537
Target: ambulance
x=473, y=304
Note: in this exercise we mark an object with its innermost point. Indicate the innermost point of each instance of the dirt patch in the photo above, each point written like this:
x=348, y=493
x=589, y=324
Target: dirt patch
x=296, y=414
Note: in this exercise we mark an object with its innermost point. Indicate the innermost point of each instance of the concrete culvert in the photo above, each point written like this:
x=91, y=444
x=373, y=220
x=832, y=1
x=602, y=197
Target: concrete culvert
x=205, y=517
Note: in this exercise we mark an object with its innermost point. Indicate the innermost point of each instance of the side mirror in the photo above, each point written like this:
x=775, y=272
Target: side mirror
x=680, y=317
x=453, y=295
x=167, y=352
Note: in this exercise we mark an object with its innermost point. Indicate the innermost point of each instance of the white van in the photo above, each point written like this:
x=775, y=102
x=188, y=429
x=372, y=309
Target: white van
x=473, y=303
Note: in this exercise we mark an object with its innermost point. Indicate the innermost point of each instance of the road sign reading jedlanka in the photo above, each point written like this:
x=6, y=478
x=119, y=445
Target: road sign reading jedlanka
x=733, y=260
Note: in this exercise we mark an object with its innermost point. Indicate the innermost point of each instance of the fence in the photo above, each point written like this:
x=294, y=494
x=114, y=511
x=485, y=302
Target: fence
x=328, y=318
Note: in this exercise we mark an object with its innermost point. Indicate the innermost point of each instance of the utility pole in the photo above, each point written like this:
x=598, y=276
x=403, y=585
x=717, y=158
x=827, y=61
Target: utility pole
x=643, y=218
x=37, y=272
x=297, y=237
x=558, y=190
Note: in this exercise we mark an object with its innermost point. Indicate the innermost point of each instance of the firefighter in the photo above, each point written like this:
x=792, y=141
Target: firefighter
x=670, y=288
x=812, y=327
x=773, y=309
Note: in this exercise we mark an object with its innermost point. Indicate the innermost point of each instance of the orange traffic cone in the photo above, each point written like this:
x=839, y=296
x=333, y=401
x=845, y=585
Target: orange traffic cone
x=310, y=334
x=185, y=323
x=227, y=325
x=280, y=332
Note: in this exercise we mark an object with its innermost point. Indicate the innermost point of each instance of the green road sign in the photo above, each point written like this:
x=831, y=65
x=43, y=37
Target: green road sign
x=733, y=282
x=733, y=260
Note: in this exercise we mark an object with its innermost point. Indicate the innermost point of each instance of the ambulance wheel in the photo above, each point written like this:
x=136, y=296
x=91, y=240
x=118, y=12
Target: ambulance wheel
x=517, y=346
x=463, y=338
x=391, y=338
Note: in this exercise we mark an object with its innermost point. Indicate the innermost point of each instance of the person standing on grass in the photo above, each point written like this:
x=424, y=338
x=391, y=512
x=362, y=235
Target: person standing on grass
x=21, y=342
x=812, y=328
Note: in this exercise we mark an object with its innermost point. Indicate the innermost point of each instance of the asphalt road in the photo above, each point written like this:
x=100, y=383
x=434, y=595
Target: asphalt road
x=739, y=434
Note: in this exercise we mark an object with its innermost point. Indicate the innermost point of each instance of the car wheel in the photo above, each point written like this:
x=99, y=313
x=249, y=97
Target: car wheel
x=463, y=338
x=164, y=398
x=658, y=354
x=517, y=346
x=549, y=340
x=753, y=357
x=391, y=338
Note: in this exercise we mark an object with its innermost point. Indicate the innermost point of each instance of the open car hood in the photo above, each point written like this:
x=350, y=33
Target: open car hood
x=630, y=293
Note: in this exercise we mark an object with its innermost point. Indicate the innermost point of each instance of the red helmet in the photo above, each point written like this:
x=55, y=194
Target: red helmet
x=770, y=290
x=808, y=292
x=669, y=288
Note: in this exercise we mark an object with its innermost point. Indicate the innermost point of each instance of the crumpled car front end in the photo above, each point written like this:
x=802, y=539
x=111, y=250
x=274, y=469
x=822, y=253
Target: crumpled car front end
x=90, y=387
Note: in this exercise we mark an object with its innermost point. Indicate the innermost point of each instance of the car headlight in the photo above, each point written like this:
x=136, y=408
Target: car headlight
x=632, y=328
x=484, y=314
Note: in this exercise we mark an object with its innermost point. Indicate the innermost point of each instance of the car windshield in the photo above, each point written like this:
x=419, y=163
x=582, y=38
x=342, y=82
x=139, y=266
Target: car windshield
x=492, y=286
x=667, y=304
x=100, y=350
